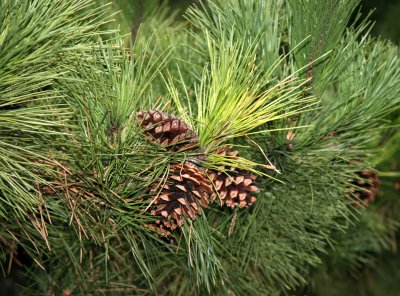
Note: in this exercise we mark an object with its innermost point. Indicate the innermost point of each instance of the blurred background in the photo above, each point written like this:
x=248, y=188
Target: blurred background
x=386, y=15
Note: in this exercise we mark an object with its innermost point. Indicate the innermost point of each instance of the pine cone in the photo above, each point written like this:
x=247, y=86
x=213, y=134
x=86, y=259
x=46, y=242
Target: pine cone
x=167, y=130
x=234, y=189
x=186, y=191
x=368, y=186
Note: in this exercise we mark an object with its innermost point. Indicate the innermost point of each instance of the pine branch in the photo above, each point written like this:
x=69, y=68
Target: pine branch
x=81, y=206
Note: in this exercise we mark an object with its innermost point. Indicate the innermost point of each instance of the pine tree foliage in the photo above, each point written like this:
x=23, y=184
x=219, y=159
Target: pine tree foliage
x=304, y=97
x=34, y=37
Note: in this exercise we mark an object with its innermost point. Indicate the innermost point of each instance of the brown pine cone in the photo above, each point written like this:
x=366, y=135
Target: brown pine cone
x=368, y=186
x=167, y=130
x=235, y=187
x=186, y=191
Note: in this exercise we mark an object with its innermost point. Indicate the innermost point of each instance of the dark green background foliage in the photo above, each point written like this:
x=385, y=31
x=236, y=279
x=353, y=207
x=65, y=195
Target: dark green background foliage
x=72, y=77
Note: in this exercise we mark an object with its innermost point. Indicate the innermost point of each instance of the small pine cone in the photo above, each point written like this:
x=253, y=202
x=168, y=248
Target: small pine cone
x=167, y=130
x=47, y=190
x=368, y=184
x=186, y=191
x=234, y=189
x=158, y=228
